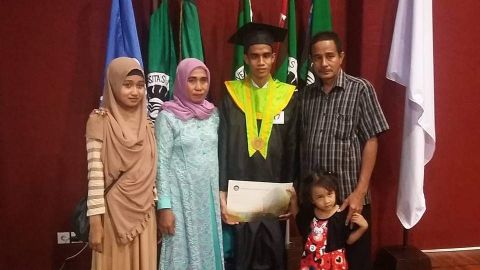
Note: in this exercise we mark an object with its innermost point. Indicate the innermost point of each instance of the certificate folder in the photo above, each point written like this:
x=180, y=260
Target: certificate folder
x=252, y=200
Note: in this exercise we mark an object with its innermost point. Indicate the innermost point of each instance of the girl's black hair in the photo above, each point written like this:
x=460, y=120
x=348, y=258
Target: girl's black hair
x=136, y=72
x=325, y=179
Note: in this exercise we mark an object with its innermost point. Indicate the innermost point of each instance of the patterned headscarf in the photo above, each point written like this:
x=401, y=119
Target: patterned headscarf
x=181, y=106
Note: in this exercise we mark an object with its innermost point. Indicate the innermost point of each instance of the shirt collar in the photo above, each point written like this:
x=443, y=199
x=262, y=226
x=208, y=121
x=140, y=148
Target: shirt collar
x=339, y=83
x=256, y=86
x=341, y=80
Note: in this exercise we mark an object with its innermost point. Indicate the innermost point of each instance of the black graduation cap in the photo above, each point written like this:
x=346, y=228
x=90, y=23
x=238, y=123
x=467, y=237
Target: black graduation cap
x=258, y=33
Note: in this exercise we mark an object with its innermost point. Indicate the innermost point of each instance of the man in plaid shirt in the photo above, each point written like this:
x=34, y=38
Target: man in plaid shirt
x=340, y=119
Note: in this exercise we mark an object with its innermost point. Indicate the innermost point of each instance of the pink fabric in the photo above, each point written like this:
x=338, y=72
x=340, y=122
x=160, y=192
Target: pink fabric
x=181, y=105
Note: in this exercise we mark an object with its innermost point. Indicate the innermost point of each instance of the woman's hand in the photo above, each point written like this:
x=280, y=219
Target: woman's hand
x=95, y=235
x=166, y=221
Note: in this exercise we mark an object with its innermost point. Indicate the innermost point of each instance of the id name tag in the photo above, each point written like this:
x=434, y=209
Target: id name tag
x=279, y=119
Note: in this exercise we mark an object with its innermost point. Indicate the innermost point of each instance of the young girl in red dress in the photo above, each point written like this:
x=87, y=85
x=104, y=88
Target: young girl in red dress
x=322, y=225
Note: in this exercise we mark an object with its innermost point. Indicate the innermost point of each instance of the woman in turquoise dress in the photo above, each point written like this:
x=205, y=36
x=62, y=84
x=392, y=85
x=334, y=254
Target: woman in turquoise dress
x=188, y=210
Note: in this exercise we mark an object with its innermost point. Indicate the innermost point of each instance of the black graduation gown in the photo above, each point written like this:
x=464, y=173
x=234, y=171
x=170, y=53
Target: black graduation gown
x=281, y=164
x=260, y=244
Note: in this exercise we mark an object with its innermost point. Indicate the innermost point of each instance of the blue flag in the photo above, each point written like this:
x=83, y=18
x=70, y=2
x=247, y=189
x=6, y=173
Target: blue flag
x=122, y=34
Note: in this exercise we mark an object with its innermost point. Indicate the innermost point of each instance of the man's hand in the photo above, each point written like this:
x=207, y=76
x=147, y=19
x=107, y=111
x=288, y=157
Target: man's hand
x=95, y=235
x=355, y=205
x=226, y=218
x=166, y=221
x=292, y=207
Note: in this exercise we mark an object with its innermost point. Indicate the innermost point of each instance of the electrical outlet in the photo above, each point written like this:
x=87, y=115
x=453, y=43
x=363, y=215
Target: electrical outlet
x=74, y=239
x=63, y=238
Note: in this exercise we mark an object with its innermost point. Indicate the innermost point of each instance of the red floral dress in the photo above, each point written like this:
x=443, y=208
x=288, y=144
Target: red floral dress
x=314, y=256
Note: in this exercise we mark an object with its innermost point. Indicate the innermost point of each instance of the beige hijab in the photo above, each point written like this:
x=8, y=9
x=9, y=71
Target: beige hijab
x=128, y=154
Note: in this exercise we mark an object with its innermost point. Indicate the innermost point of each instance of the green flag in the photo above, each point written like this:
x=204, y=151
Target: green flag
x=191, y=40
x=244, y=16
x=287, y=71
x=320, y=20
x=162, y=60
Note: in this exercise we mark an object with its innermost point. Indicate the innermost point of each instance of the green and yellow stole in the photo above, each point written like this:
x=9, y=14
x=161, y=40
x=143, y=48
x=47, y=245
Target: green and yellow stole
x=274, y=99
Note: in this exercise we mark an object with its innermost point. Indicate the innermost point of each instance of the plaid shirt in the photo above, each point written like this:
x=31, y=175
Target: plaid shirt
x=334, y=127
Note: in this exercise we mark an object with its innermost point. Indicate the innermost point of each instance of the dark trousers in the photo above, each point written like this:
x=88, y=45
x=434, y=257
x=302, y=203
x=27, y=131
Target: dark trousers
x=259, y=245
x=359, y=254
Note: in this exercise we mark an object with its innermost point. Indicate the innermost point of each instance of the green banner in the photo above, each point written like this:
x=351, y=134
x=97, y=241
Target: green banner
x=320, y=20
x=191, y=38
x=287, y=71
x=244, y=16
x=162, y=60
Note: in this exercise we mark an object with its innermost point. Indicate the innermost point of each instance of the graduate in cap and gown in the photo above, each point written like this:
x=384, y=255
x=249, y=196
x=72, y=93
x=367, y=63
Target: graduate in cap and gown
x=257, y=142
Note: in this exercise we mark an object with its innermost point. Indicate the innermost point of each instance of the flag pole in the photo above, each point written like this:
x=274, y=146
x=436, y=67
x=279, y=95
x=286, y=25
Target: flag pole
x=411, y=64
x=180, y=32
x=405, y=238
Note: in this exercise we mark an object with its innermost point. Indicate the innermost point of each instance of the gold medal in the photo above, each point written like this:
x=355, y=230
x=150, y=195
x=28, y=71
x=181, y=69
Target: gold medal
x=258, y=143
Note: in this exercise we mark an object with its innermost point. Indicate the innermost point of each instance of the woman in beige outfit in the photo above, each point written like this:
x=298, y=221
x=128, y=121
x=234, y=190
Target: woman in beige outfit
x=121, y=173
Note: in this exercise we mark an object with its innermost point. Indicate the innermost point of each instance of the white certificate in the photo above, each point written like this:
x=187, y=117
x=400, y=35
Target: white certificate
x=250, y=200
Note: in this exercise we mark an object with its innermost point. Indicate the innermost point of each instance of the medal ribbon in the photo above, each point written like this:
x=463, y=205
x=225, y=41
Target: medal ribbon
x=258, y=141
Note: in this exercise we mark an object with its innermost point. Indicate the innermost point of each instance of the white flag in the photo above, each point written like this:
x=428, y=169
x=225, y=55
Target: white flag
x=411, y=64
